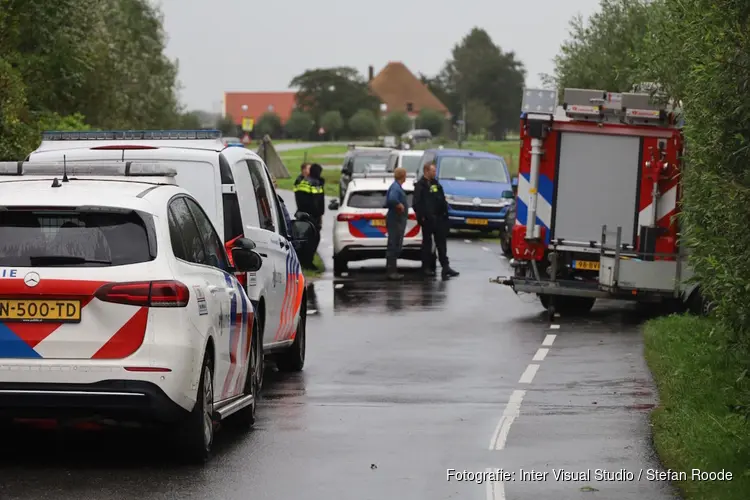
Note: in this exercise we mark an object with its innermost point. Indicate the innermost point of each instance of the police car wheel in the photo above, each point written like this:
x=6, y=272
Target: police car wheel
x=340, y=266
x=293, y=360
x=253, y=381
x=196, y=434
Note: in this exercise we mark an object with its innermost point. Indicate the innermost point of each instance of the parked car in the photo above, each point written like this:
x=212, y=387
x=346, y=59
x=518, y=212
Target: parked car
x=234, y=187
x=477, y=187
x=408, y=159
x=359, y=161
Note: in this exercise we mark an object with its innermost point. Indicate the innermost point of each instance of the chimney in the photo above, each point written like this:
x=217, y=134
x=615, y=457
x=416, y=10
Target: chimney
x=370, y=73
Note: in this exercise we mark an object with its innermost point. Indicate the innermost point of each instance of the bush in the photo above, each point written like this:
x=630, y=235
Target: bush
x=431, y=120
x=269, y=124
x=363, y=124
x=701, y=54
x=332, y=122
x=299, y=125
x=17, y=139
x=398, y=123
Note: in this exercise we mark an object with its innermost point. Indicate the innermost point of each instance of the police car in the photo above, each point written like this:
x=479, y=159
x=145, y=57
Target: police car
x=359, y=232
x=118, y=302
x=234, y=187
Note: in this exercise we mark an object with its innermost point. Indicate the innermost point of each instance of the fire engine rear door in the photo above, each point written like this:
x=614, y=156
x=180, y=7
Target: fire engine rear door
x=597, y=184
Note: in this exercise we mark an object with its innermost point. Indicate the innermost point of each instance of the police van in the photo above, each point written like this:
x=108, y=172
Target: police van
x=233, y=186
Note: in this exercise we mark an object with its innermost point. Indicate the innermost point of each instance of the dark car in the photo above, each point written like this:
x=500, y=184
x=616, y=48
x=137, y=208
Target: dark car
x=358, y=162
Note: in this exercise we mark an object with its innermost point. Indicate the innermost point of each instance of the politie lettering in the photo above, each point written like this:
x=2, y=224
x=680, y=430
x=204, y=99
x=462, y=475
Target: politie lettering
x=8, y=273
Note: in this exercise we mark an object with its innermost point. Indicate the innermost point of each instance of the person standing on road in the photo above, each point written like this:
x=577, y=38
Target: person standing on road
x=431, y=208
x=319, y=197
x=395, y=221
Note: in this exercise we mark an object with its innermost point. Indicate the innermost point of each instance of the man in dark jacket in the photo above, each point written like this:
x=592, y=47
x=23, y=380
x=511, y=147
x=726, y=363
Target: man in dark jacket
x=431, y=208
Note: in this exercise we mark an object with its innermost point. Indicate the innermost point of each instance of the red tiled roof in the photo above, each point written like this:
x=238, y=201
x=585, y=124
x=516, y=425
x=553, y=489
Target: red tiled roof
x=396, y=86
x=281, y=103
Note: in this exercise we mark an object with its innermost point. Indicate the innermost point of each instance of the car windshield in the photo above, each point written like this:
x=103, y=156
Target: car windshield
x=52, y=238
x=411, y=163
x=372, y=163
x=373, y=199
x=464, y=168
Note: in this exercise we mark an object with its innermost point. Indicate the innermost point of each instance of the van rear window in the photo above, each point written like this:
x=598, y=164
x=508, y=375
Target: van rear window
x=66, y=238
x=373, y=199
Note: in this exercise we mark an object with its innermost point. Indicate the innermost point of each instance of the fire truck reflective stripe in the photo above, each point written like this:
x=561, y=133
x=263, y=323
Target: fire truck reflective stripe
x=665, y=205
x=544, y=201
x=127, y=340
x=70, y=341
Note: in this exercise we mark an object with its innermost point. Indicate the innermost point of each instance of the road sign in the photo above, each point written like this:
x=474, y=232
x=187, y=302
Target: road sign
x=245, y=139
x=247, y=124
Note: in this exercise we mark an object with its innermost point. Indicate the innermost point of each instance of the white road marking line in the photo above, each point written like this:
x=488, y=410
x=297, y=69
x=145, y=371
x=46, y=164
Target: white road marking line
x=549, y=339
x=485, y=249
x=330, y=247
x=528, y=375
x=495, y=489
x=512, y=410
x=554, y=327
x=541, y=353
x=467, y=241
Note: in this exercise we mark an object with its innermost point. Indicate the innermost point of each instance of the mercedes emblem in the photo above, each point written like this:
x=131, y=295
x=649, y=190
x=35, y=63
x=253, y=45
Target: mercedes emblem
x=31, y=279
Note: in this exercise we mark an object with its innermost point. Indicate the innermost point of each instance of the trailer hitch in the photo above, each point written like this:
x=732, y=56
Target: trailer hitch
x=502, y=280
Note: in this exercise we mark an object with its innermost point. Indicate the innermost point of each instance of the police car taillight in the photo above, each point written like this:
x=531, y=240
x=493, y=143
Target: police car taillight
x=145, y=293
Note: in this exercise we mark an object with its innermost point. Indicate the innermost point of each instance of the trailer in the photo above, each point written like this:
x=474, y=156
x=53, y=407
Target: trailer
x=597, y=202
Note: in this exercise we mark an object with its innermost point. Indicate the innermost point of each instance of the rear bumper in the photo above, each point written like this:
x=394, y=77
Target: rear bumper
x=411, y=251
x=119, y=400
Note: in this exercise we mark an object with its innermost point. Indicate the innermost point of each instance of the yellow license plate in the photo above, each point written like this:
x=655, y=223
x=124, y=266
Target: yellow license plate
x=40, y=311
x=378, y=222
x=586, y=265
x=477, y=222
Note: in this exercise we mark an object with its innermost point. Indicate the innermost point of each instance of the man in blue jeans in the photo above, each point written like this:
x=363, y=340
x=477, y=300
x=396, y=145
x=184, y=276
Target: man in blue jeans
x=395, y=222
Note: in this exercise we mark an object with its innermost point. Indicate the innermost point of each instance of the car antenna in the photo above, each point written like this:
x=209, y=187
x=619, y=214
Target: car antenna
x=65, y=170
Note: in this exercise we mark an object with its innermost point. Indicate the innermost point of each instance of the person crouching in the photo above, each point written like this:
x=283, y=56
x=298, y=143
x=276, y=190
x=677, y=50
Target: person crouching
x=395, y=221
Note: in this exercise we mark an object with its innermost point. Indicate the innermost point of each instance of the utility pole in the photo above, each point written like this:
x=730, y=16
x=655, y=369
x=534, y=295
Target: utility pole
x=462, y=125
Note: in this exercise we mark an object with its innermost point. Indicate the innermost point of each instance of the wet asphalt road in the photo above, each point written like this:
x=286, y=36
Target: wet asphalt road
x=402, y=382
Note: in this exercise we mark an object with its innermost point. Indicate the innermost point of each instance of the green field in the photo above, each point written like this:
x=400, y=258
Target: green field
x=703, y=390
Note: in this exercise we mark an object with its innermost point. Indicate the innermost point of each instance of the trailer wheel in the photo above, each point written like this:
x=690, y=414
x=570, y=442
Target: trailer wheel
x=568, y=306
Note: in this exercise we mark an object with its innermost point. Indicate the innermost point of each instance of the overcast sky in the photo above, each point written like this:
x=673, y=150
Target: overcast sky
x=237, y=45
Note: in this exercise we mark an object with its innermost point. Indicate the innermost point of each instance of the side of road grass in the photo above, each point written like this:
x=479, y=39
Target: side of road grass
x=704, y=388
x=331, y=177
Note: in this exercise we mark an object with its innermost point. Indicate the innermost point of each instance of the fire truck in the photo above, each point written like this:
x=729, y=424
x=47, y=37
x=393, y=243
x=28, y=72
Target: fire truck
x=598, y=195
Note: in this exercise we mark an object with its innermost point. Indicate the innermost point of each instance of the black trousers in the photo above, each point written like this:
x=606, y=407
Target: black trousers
x=436, y=229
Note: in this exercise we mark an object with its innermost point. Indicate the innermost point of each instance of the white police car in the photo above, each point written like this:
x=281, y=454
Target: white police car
x=117, y=301
x=359, y=232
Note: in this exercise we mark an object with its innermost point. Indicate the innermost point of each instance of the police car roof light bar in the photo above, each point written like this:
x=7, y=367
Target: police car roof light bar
x=101, y=168
x=125, y=135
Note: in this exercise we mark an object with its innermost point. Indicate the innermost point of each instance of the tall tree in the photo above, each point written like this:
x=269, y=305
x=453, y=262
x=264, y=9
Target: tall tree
x=480, y=70
x=603, y=52
x=340, y=89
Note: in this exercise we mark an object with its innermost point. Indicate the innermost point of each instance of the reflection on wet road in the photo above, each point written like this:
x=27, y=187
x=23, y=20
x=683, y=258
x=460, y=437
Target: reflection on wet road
x=403, y=382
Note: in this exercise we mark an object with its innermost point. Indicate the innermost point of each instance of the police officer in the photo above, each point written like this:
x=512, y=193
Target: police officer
x=310, y=199
x=431, y=208
x=304, y=171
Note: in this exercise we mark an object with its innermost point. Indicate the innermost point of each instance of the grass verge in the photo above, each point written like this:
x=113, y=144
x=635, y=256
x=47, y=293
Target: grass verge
x=320, y=268
x=332, y=178
x=702, y=387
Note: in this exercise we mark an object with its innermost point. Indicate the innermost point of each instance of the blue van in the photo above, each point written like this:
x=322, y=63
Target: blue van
x=477, y=185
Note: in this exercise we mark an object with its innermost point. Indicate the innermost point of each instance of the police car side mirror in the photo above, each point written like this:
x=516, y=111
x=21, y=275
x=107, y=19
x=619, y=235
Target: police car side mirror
x=244, y=243
x=246, y=261
x=334, y=205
